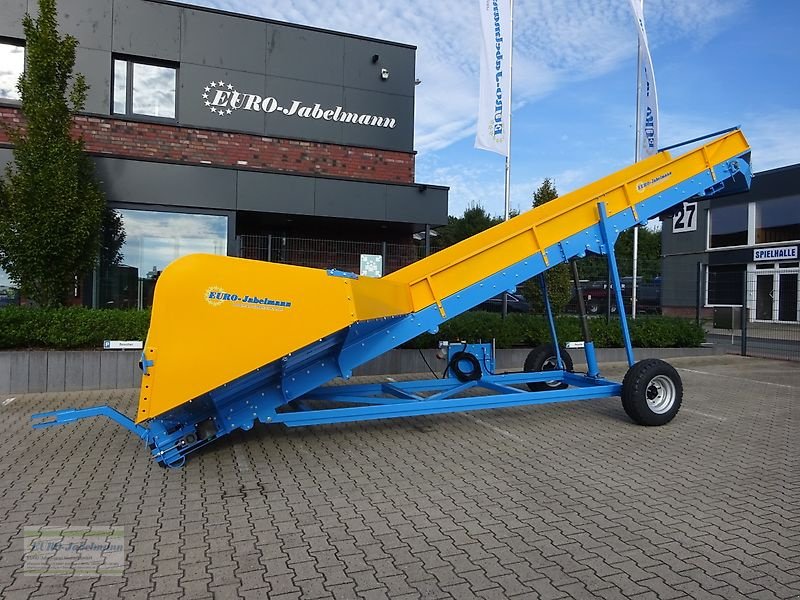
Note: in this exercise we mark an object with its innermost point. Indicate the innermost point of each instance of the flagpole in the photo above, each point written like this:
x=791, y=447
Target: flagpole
x=510, y=110
x=507, y=211
x=637, y=156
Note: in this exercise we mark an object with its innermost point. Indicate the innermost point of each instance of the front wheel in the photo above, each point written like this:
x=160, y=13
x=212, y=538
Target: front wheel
x=652, y=392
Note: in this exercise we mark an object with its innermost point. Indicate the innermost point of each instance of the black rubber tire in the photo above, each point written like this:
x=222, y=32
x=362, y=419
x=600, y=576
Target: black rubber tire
x=454, y=367
x=650, y=378
x=592, y=307
x=543, y=358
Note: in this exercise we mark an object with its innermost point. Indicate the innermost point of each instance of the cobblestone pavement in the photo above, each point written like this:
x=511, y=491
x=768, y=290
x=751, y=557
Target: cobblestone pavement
x=560, y=501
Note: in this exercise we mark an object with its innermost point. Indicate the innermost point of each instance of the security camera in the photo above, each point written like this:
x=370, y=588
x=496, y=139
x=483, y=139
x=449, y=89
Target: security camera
x=384, y=74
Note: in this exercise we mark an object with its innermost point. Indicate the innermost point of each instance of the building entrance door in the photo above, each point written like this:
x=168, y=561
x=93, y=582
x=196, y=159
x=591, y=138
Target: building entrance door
x=777, y=294
x=787, y=297
x=765, y=296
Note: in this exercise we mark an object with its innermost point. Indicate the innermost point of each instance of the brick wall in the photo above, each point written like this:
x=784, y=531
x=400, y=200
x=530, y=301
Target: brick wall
x=134, y=139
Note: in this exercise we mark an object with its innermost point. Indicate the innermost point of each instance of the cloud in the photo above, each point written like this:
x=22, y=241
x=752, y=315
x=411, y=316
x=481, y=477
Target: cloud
x=772, y=134
x=773, y=138
x=555, y=43
x=477, y=185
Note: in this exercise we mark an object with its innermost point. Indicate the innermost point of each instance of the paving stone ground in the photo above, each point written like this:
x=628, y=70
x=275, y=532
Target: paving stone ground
x=560, y=501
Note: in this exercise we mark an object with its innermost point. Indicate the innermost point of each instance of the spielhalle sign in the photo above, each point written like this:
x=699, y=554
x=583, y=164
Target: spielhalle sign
x=780, y=253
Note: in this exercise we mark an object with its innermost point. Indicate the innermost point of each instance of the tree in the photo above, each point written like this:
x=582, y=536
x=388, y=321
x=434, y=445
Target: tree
x=474, y=220
x=595, y=268
x=649, y=253
x=558, y=278
x=112, y=238
x=51, y=207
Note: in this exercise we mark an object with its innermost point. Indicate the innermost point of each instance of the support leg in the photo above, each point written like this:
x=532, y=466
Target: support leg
x=608, y=241
x=548, y=311
x=588, y=344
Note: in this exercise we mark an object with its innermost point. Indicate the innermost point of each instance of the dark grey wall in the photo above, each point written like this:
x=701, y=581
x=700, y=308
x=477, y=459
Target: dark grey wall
x=686, y=241
x=142, y=182
x=255, y=56
x=132, y=181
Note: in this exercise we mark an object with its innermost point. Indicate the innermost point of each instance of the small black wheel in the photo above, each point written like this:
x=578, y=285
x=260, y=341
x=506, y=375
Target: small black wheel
x=465, y=366
x=543, y=358
x=592, y=308
x=652, y=392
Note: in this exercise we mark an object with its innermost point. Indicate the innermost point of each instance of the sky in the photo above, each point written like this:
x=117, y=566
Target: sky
x=717, y=64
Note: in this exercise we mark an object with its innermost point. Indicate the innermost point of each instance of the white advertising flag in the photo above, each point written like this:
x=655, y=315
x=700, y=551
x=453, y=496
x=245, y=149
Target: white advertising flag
x=494, y=109
x=647, y=98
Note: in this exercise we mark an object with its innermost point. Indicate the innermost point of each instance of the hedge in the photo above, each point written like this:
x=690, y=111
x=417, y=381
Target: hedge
x=529, y=330
x=66, y=328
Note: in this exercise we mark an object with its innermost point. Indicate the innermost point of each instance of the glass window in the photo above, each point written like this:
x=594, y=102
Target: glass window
x=152, y=241
x=8, y=292
x=728, y=225
x=726, y=284
x=778, y=220
x=120, y=86
x=153, y=91
x=12, y=63
x=144, y=89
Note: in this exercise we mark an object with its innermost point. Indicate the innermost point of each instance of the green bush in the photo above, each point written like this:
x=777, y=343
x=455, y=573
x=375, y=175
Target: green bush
x=528, y=330
x=67, y=328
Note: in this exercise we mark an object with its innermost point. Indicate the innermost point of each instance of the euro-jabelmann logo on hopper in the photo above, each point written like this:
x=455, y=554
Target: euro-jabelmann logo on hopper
x=216, y=296
x=224, y=99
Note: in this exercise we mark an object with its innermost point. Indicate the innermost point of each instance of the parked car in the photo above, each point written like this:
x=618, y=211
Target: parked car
x=517, y=303
x=8, y=296
x=596, y=296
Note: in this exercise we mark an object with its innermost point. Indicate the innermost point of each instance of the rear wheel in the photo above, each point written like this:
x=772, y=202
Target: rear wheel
x=652, y=392
x=543, y=358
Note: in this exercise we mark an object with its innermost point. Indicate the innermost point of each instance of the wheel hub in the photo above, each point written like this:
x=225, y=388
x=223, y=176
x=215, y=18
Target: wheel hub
x=551, y=364
x=660, y=394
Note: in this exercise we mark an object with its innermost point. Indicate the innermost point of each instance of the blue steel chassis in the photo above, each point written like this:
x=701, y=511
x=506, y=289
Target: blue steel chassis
x=292, y=390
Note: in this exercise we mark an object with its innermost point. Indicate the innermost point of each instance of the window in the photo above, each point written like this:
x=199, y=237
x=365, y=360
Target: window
x=144, y=89
x=12, y=63
x=726, y=285
x=727, y=225
x=152, y=241
x=778, y=220
x=8, y=293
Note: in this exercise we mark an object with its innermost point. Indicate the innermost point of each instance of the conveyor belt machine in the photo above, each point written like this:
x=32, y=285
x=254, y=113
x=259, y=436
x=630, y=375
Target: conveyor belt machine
x=233, y=342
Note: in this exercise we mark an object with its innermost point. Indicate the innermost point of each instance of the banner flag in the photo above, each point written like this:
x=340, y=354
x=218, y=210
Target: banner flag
x=647, y=98
x=494, y=108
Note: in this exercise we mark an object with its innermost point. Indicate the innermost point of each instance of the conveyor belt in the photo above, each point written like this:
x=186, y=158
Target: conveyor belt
x=216, y=319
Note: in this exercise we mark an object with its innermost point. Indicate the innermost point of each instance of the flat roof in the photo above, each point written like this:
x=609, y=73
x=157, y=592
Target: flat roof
x=228, y=13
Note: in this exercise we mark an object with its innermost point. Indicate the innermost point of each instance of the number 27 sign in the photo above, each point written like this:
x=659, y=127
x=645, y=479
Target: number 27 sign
x=685, y=218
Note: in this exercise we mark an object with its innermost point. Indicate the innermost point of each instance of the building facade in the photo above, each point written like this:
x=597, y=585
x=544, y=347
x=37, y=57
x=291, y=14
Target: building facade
x=217, y=132
x=738, y=250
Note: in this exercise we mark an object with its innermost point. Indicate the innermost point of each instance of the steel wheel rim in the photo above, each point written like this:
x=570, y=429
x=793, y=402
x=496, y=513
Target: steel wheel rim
x=551, y=364
x=660, y=394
